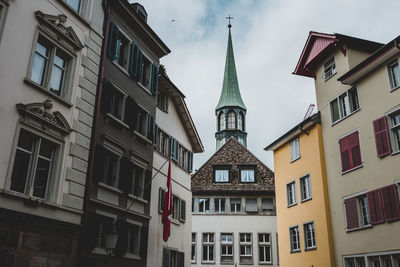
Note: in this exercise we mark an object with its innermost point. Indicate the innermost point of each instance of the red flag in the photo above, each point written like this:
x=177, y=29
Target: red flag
x=166, y=216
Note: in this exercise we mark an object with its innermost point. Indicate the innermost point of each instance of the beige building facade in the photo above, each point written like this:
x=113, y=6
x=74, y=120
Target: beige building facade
x=174, y=126
x=356, y=85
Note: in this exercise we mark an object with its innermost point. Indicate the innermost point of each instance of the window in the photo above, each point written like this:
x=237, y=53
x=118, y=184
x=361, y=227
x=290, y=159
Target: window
x=231, y=120
x=344, y=105
x=49, y=68
x=75, y=4
x=241, y=121
x=221, y=121
x=357, y=212
x=221, y=176
x=264, y=248
x=173, y=258
x=329, y=68
x=291, y=193
x=110, y=174
x=182, y=210
x=267, y=205
x=355, y=262
x=394, y=119
x=219, y=204
x=226, y=247
x=193, y=253
x=142, y=117
x=163, y=144
x=294, y=149
x=294, y=239
x=34, y=165
x=133, y=239
x=122, y=50
x=394, y=75
x=350, y=152
x=247, y=176
x=162, y=101
x=175, y=207
x=246, y=248
x=116, y=104
x=374, y=260
x=204, y=204
x=305, y=188
x=138, y=182
x=208, y=247
x=103, y=226
x=235, y=204
x=3, y=12
x=251, y=205
x=183, y=160
x=145, y=72
x=309, y=236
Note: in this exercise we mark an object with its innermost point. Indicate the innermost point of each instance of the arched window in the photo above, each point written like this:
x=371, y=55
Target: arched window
x=221, y=121
x=231, y=120
x=241, y=121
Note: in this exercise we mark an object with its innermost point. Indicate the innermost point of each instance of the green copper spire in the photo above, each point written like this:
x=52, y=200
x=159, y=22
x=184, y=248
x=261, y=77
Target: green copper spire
x=230, y=95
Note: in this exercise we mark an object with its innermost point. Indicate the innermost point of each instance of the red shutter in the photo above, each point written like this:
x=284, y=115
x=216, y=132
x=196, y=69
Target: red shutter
x=351, y=213
x=354, y=145
x=375, y=207
x=344, y=153
x=390, y=203
x=382, y=137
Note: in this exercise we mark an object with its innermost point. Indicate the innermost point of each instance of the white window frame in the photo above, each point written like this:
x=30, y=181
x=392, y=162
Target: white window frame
x=291, y=194
x=305, y=188
x=193, y=256
x=393, y=254
x=227, y=243
x=297, y=232
x=294, y=149
x=265, y=245
x=329, y=69
x=392, y=86
x=391, y=129
x=361, y=224
x=313, y=238
x=221, y=175
x=148, y=87
x=3, y=15
x=245, y=243
x=247, y=176
x=345, y=106
x=204, y=204
x=140, y=193
x=235, y=210
x=163, y=149
x=208, y=243
x=218, y=203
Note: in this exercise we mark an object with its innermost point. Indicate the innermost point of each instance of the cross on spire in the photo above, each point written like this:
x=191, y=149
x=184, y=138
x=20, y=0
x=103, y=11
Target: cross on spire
x=229, y=17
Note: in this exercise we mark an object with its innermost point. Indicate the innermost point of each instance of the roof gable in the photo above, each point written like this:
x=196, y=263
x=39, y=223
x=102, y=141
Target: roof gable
x=234, y=154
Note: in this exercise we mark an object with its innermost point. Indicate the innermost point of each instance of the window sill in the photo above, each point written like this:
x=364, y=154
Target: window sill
x=395, y=153
x=144, y=138
x=265, y=263
x=310, y=249
x=291, y=205
x=359, y=228
x=295, y=251
x=222, y=182
x=111, y=188
x=144, y=88
x=99, y=251
x=305, y=200
x=175, y=221
x=121, y=68
x=144, y=201
x=132, y=256
x=353, y=169
x=110, y=117
x=394, y=89
x=47, y=92
x=293, y=160
x=341, y=119
x=207, y=262
x=228, y=262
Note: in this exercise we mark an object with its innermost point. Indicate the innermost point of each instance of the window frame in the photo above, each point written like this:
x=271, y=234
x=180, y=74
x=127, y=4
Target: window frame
x=247, y=202
x=394, y=144
x=247, y=168
x=235, y=210
x=163, y=150
x=162, y=101
x=3, y=15
x=193, y=256
x=298, y=243
x=222, y=168
x=128, y=52
x=392, y=86
x=232, y=121
x=265, y=245
x=246, y=243
x=220, y=205
x=361, y=224
x=199, y=205
x=140, y=193
x=340, y=153
x=139, y=226
x=326, y=68
x=313, y=237
x=139, y=80
x=294, y=195
x=227, y=244
x=55, y=169
x=308, y=189
x=267, y=210
x=295, y=152
x=208, y=243
x=348, y=105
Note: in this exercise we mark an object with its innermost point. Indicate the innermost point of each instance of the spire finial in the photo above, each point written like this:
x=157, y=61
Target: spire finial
x=229, y=18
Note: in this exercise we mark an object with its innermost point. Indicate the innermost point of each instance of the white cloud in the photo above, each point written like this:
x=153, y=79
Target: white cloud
x=268, y=37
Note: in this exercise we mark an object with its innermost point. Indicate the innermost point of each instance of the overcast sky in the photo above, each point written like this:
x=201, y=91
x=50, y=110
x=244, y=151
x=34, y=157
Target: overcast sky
x=268, y=37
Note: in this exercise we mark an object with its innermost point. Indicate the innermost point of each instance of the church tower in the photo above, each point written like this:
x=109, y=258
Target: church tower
x=230, y=111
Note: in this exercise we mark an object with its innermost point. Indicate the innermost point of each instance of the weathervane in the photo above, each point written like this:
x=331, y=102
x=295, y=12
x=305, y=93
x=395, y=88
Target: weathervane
x=229, y=18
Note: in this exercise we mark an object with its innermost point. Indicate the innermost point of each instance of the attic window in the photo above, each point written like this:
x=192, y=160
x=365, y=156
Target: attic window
x=329, y=68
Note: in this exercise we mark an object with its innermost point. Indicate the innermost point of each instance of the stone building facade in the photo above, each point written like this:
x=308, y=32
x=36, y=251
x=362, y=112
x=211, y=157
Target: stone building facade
x=49, y=61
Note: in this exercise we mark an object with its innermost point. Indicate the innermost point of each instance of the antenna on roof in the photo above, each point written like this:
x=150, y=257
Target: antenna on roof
x=309, y=111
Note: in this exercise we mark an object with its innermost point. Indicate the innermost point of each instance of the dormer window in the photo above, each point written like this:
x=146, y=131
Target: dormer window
x=329, y=68
x=247, y=174
x=222, y=174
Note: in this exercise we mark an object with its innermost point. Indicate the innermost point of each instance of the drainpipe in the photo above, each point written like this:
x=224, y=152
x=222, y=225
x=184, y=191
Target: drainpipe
x=81, y=245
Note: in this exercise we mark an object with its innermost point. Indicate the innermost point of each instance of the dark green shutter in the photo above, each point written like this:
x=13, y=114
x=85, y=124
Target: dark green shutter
x=182, y=214
x=156, y=81
x=150, y=126
x=176, y=148
x=190, y=163
x=112, y=41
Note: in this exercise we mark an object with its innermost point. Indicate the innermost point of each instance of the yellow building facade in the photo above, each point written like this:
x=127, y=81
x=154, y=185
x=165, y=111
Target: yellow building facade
x=302, y=203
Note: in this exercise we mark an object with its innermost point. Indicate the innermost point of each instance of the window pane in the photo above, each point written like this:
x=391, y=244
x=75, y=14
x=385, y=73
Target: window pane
x=75, y=4
x=20, y=171
x=353, y=97
x=247, y=175
x=57, y=74
x=145, y=79
x=334, y=110
x=39, y=63
x=41, y=177
x=343, y=105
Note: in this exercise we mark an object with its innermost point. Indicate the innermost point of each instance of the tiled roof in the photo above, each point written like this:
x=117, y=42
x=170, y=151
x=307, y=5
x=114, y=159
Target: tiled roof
x=235, y=154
